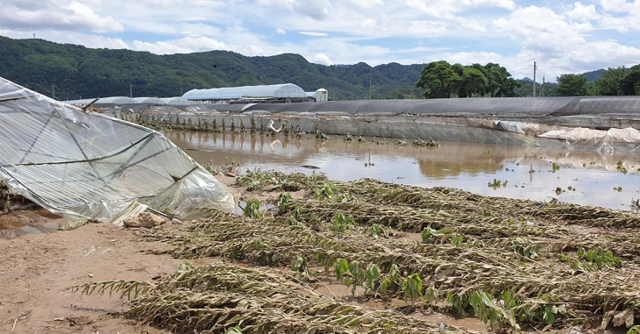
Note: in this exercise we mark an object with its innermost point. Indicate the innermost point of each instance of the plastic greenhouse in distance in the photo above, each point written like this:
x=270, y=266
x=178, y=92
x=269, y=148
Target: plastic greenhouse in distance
x=271, y=93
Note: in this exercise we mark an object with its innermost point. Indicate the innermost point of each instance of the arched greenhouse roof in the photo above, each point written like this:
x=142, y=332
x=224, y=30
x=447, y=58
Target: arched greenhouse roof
x=149, y=100
x=175, y=101
x=115, y=100
x=247, y=92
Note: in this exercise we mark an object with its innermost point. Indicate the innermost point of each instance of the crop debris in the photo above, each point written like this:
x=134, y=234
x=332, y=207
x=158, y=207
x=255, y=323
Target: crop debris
x=514, y=264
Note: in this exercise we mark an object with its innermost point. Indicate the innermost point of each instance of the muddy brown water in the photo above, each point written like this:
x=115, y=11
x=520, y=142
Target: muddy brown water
x=584, y=177
x=28, y=222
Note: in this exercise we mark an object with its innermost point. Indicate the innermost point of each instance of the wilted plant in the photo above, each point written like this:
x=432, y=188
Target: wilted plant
x=343, y=223
x=378, y=231
x=283, y=199
x=412, y=288
x=252, y=209
x=592, y=260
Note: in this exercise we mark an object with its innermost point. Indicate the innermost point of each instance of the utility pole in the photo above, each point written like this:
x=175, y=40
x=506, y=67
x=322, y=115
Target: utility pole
x=53, y=91
x=131, y=90
x=370, y=86
x=535, y=67
x=542, y=87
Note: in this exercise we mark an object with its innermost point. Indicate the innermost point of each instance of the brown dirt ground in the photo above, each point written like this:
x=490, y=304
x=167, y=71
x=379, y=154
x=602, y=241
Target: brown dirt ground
x=38, y=264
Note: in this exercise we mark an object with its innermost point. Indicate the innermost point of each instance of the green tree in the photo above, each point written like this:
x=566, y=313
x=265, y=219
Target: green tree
x=609, y=83
x=630, y=83
x=572, y=85
x=441, y=80
x=438, y=80
x=473, y=82
x=500, y=83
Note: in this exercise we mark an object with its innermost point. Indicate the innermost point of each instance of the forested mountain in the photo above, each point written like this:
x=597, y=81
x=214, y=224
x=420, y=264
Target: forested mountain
x=594, y=75
x=75, y=71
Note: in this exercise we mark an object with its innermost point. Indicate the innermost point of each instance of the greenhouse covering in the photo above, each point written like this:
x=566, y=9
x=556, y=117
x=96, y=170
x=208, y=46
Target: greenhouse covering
x=472, y=107
x=283, y=91
x=87, y=166
x=153, y=101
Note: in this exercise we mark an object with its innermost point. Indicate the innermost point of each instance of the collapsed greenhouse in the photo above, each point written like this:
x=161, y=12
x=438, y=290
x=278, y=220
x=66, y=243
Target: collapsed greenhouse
x=87, y=166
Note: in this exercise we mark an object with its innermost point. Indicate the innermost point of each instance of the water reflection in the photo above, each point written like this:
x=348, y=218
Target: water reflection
x=528, y=171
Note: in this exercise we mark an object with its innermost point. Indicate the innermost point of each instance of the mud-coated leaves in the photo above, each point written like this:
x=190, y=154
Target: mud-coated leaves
x=625, y=318
x=412, y=288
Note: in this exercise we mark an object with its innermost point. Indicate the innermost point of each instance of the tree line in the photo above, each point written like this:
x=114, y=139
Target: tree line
x=617, y=81
x=439, y=79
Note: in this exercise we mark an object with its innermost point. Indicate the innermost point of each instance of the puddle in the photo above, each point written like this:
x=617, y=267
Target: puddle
x=584, y=177
x=472, y=324
x=18, y=223
x=243, y=204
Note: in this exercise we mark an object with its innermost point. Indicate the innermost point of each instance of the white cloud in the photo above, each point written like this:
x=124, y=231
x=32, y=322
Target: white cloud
x=58, y=15
x=626, y=17
x=198, y=29
x=256, y=50
x=367, y=3
x=313, y=33
x=316, y=9
x=183, y=45
x=321, y=58
x=617, y=5
x=447, y=8
x=88, y=40
x=560, y=45
x=583, y=13
x=281, y=31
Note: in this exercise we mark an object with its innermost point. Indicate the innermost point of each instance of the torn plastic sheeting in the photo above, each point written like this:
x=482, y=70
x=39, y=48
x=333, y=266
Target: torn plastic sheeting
x=509, y=126
x=89, y=166
x=600, y=139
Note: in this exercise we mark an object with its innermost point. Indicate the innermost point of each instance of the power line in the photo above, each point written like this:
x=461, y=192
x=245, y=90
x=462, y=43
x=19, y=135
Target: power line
x=522, y=69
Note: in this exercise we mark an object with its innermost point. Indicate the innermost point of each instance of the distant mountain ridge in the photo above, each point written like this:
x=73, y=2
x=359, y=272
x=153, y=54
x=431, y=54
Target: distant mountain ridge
x=73, y=72
x=594, y=75
x=79, y=72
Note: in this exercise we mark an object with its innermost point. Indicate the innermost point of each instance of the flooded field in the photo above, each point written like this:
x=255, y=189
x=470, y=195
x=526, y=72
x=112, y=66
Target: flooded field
x=587, y=178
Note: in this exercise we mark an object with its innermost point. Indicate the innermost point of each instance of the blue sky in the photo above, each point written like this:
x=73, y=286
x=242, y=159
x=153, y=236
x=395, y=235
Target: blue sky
x=562, y=36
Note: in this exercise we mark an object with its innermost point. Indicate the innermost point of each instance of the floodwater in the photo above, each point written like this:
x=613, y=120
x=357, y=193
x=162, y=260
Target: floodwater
x=582, y=177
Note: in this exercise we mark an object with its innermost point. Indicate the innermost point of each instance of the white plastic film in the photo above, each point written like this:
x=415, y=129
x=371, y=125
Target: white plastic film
x=90, y=166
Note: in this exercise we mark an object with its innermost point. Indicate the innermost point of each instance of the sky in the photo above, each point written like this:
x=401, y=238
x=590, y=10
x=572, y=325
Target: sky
x=561, y=36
